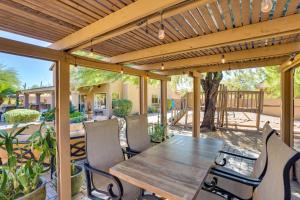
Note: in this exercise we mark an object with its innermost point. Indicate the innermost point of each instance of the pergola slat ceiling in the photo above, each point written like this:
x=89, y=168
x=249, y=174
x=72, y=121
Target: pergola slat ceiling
x=54, y=20
x=187, y=25
x=60, y=17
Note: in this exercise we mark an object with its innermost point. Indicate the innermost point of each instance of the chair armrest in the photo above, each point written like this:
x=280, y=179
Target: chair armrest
x=214, y=188
x=114, y=179
x=237, y=155
x=129, y=152
x=224, y=170
x=247, y=181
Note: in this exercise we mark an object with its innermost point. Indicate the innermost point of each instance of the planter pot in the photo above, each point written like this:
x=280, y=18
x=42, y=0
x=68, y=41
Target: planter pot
x=38, y=194
x=76, y=180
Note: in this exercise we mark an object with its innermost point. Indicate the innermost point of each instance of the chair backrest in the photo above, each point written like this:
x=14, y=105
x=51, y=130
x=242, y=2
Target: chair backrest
x=260, y=164
x=276, y=183
x=137, y=132
x=103, y=148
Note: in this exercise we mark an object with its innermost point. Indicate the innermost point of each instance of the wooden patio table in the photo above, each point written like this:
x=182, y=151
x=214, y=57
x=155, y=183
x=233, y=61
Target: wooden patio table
x=174, y=169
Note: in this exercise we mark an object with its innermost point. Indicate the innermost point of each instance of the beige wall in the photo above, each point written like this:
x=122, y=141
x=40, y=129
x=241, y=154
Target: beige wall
x=272, y=107
x=126, y=91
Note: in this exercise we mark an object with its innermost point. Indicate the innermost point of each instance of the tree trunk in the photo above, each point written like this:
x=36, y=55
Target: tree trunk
x=210, y=86
x=1, y=100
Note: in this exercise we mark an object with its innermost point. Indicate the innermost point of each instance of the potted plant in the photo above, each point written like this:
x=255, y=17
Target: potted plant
x=157, y=133
x=76, y=178
x=20, y=180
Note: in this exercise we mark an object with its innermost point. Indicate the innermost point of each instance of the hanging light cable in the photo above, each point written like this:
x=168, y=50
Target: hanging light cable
x=266, y=6
x=161, y=30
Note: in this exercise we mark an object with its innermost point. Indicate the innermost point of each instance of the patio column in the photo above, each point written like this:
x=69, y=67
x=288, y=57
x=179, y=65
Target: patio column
x=52, y=100
x=62, y=88
x=287, y=106
x=26, y=100
x=196, y=107
x=143, y=94
x=164, y=104
x=38, y=100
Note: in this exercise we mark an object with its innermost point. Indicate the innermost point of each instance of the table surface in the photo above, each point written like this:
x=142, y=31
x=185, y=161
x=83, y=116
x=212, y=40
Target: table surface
x=174, y=169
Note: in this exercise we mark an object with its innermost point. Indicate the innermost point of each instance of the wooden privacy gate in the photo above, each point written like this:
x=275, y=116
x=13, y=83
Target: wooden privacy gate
x=227, y=101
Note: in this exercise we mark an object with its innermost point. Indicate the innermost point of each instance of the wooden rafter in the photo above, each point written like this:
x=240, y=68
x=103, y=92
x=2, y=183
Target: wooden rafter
x=228, y=66
x=264, y=30
x=29, y=50
x=152, y=19
x=264, y=52
x=126, y=15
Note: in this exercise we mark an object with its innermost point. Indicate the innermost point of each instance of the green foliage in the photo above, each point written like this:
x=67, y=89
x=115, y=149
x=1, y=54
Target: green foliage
x=157, y=132
x=152, y=109
x=49, y=115
x=18, y=179
x=9, y=82
x=122, y=107
x=77, y=117
x=244, y=79
x=21, y=116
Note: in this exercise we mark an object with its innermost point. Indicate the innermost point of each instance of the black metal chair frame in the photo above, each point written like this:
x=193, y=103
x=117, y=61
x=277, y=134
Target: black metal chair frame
x=91, y=187
x=224, y=160
x=213, y=188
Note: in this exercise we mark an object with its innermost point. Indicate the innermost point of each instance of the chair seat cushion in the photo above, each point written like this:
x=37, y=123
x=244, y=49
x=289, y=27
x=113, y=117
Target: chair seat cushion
x=204, y=195
x=239, y=189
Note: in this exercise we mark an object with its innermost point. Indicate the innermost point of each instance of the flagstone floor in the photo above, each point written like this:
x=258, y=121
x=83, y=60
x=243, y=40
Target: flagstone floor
x=242, y=142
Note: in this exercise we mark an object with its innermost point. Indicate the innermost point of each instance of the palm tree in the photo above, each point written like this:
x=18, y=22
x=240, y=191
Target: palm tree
x=9, y=82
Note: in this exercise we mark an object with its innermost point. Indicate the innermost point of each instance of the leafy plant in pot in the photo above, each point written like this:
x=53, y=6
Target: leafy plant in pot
x=22, y=180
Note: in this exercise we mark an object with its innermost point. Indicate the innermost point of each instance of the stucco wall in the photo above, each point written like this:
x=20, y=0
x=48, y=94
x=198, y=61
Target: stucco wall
x=272, y=107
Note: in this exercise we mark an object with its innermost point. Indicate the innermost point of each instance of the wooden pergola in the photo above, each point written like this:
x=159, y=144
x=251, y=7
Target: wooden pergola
x=198, y=34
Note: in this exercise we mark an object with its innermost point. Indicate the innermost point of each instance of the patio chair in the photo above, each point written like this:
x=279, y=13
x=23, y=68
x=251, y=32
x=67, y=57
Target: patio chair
x=103, y=151
x=259, y=168
x=274, y=185
x=137, y=136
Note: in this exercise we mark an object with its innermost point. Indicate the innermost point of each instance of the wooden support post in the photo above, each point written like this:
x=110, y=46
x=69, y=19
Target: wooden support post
x=287, y=106
x=196, y=108
x=62, y=86
x=143, y=94
x=38, y=100
x=164, y=104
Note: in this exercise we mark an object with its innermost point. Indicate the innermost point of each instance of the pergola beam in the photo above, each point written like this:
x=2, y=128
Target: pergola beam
x=264, y=30
x=29, y=50
x=228, y=66
x=124, y=16
x=169, y=12
x=264, y=52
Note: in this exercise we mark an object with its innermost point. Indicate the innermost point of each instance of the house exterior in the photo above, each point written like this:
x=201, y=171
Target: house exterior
x=97, y=99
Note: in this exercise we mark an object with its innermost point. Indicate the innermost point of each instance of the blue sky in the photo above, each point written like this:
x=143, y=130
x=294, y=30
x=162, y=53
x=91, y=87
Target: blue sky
x=30, y=71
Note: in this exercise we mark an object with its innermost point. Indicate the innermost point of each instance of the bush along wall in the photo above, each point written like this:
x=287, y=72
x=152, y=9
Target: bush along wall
x=122, y=107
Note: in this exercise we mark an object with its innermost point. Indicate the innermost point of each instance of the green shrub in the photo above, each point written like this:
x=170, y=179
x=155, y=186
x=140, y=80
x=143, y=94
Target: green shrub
x=77, y=117
x=157, y=132
x=21, y=116
x=152, y=109
x=122, y=107
x=49, y=115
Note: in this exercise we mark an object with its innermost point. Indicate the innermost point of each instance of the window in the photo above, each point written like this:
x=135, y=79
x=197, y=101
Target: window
x=100, y=101
x=155, y=99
